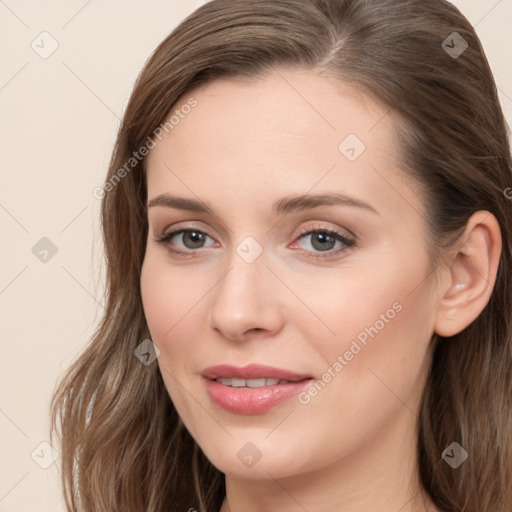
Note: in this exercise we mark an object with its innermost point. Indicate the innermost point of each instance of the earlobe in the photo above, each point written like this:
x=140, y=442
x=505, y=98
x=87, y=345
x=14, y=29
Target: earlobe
x=468, y=280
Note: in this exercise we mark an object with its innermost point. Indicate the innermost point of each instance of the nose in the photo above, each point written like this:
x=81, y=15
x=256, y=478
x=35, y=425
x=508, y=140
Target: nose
x=246, y=301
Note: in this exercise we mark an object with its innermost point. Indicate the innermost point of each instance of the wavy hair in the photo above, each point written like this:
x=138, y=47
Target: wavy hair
x=123, y=445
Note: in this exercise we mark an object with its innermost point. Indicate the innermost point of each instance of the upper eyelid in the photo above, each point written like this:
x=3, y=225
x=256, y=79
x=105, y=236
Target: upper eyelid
x=307, y=230
x=321, y=227
x=224, y=230
x=177, y=229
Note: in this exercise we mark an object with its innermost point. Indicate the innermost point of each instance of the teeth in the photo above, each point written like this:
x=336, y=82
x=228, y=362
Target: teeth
x=249, y=383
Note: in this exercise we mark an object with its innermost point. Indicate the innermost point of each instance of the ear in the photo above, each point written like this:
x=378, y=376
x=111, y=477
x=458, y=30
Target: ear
x=469, y=276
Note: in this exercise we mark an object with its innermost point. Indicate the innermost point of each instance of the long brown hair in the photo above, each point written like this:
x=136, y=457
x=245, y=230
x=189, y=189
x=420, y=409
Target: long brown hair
x=123, y=445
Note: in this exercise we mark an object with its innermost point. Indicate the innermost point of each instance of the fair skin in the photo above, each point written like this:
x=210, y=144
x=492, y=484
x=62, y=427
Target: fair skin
x=352, y=447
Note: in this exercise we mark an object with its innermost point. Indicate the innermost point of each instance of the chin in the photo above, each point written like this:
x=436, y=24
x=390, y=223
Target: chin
x=257, y=460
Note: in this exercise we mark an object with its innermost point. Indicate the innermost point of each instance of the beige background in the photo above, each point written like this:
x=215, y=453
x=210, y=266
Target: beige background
x=59, y=116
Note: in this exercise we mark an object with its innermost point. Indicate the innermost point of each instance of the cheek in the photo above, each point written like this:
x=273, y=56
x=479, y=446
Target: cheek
x=174, y=307
x=390, y=355
x=167, y=304
x=168, y=296
x=372, y=366
x=158, y=298
x=351, y=302
x=381, y=320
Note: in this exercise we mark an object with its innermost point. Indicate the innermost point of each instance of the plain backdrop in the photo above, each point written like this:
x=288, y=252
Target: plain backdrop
x=59, y=116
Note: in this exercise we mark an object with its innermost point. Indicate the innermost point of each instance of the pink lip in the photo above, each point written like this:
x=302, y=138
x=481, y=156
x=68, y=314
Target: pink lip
x=252, y=400
x=251, y=371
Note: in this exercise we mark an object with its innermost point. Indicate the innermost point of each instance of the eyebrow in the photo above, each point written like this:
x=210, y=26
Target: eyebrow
x=282, y=205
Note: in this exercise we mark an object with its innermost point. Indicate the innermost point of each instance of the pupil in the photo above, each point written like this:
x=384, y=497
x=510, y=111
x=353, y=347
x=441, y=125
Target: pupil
x=195, y=237
x=324, y=239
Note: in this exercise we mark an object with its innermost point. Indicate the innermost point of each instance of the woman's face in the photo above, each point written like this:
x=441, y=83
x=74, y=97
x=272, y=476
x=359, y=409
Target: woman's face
x=335, y=288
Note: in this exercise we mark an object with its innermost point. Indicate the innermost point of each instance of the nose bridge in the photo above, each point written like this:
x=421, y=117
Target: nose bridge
x=247, y=296
x=247, y=266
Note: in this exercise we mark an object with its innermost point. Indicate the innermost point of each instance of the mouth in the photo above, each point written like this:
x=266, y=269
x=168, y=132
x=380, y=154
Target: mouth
x=253, y=389
x=252, y=372
x=250, y=383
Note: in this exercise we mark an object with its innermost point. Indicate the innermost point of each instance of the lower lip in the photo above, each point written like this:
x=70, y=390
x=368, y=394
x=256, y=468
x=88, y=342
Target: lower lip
x=252, y=400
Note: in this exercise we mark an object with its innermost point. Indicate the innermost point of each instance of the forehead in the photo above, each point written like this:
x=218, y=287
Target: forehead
x=282, y=106
x=288, y=131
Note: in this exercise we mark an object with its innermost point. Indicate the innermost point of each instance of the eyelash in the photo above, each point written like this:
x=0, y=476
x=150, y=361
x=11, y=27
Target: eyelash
x=347, y=242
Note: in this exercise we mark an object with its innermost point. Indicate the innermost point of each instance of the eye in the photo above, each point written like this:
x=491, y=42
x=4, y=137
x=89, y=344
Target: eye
x=324, y=240
x=190, y=239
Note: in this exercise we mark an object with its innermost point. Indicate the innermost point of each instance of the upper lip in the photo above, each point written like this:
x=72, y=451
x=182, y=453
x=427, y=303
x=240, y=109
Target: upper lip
x=251, y=371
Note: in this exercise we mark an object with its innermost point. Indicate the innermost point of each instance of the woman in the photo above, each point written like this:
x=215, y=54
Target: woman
x=308, y=242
